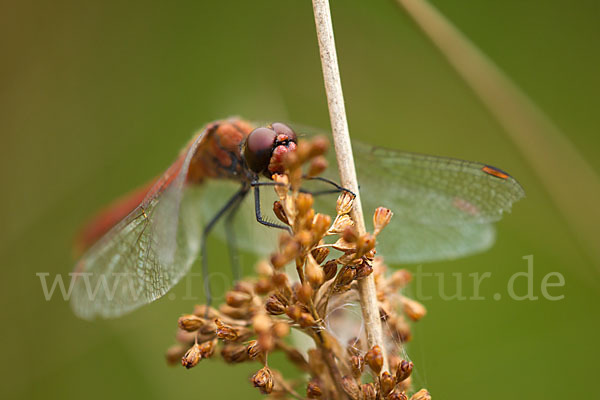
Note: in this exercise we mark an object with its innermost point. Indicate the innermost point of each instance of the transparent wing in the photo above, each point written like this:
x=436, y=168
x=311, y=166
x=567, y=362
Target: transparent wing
x=247, y=234
x=443, y=207
x=147, y=253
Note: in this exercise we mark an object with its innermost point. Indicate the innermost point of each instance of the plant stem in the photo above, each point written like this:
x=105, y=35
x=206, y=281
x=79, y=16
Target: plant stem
x=345, y=160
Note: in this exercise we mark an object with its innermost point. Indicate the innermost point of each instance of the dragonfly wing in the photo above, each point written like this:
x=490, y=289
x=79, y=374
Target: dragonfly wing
x=145, y=254
x=247, y=234
x=411, y=242
x=443, y=207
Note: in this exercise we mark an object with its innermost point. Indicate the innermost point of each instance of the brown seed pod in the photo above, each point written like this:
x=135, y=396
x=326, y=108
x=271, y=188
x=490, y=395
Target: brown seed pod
x=381, y=218
x=330, y=269
x=320, y=225
x=397, y=395
x=400, y=279
x=306, y=320
x=225, y=332
x=414, y=309
x=294, y=312
x=351, y=387
x=234, y=312
x=346, y=276
x=364, y=244
x=317, y=166
x=341, y=223
x=263, y=286
x=244, y=286
x=344, y=203
x=236, y=298
x=363, y=270
x=192, y=357
x=280, y=280
x=368, y=391
x=263, y=268
x=234, y=353
x=280, y=212
x=318, y=146
x=304, y=203
x=403, y=370
x=253, y=349
x=304, y=293
x=274, y=305
x=374, y=359
x=387, y=383
x=262, y=323
x=263, y=380
x=313, y=389
x=281, y=329
x=185, y=337
x=320, y=254
x=190, y=322
x=207, y=349
x=314, y=273
x=357, y=363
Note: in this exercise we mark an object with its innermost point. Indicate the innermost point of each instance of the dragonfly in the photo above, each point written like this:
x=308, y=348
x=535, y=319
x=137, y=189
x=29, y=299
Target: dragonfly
x=142, y=245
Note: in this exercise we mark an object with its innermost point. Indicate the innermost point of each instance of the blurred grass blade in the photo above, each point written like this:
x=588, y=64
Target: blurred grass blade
x=571, y=182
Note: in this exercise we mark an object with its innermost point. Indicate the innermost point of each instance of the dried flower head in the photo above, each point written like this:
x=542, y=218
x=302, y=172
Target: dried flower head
x=225, y=332
x=344, y=203
x=351, y=387
x=263, y=380
x=374, y=359
x=329, y=257
x=387, y=383
x=234, y=353
x=404, y=370
x=313, y=389
x=207, y=348
x=381, y=218
x=253, y=349
x=397, y=396
x=190, y=322
x=192, y=357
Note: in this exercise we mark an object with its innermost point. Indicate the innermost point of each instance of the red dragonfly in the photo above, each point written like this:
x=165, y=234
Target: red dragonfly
x=142, y=245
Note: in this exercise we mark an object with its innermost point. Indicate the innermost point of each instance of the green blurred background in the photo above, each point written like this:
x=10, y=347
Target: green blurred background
x=97, y=97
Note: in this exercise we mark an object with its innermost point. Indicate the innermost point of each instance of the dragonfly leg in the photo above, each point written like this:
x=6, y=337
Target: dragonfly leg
x=230, y=235
x=269, y=183
x=236, y=198
x=337, y=189
x=258, y=211
x=320, y=192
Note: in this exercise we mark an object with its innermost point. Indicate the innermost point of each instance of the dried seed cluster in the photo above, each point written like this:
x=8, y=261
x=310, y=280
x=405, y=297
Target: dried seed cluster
x=259, y=312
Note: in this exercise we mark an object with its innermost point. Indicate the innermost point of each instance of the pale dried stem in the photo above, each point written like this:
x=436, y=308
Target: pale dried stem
x=345, y=160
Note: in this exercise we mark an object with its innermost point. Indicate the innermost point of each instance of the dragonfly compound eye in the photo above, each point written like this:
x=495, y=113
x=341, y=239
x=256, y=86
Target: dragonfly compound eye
x=284, y=132
x=284, y=143
x=259, y=147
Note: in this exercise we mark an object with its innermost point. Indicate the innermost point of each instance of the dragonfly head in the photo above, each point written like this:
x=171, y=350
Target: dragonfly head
x=265, y=148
